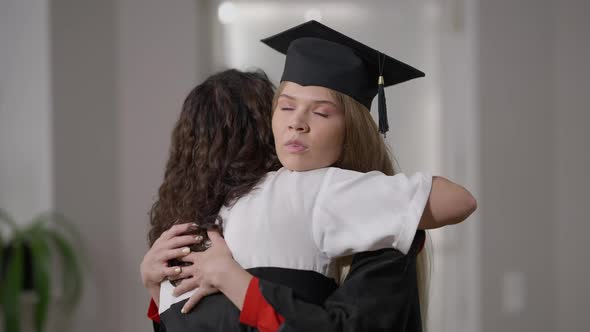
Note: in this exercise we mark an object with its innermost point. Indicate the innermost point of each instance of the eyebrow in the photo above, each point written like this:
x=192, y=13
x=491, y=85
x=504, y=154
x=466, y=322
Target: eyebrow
x=313, y=101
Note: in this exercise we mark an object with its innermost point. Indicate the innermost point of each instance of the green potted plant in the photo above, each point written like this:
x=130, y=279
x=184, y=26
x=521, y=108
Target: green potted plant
x=30, y=255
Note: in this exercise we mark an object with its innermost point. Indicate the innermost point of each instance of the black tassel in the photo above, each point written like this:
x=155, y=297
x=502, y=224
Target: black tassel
x=383, y=123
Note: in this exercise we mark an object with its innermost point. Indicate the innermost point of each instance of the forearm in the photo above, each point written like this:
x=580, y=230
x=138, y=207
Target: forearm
x=233, y=283
x=155, y=294
x=449, y=203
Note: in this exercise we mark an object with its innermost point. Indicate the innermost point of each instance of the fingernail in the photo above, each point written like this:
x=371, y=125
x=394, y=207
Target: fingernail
x=183, y=310
x=177, y=270
x=186, y=250
x=199, y=238
x=207, y=244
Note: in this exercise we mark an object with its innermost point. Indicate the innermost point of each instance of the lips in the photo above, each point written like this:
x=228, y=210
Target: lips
x=295, y=146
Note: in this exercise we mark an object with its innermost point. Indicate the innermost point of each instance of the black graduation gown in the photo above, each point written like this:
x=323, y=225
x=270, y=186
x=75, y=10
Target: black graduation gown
x=380, y=293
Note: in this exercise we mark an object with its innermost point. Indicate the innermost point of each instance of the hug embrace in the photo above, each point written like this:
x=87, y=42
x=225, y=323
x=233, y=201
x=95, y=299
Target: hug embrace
x=281, y=209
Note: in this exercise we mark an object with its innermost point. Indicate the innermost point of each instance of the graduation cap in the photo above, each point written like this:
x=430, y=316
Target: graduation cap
x=320, y=56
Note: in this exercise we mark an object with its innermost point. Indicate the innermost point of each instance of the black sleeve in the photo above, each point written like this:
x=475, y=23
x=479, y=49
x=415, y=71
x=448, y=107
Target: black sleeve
x=380, y=293
x=158, y=327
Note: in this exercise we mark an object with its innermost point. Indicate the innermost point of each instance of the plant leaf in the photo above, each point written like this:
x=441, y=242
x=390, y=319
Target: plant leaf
x=60, y=223
x=12, y=286
x=41, y=259
x=6, y=219
x=60, y=220
x=71, y=271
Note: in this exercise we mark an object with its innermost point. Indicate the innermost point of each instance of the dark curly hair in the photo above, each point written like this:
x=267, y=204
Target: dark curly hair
x=222, y=145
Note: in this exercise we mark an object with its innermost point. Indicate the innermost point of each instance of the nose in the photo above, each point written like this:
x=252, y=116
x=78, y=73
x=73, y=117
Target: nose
x=299, y=126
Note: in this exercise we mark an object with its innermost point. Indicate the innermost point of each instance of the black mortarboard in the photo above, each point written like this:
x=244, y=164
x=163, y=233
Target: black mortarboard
x=318, y=55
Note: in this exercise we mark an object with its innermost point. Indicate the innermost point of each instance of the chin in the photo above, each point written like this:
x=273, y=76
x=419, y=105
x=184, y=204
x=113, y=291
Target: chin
x=301, y=163
x=299, y=166
x=293, y=165
x=296, y=167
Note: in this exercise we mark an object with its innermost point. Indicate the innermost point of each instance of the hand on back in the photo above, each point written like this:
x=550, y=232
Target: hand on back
x=172, y=244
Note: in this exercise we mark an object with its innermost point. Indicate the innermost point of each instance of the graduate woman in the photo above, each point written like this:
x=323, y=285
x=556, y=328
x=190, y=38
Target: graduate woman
x=313, y=101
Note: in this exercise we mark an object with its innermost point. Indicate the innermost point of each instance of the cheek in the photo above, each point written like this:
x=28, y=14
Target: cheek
x=333, y=138
x=338, y=142
x=275, y=124
x=340, y=132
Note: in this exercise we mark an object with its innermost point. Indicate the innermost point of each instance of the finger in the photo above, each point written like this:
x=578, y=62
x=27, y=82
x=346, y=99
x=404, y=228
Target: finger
x=192, y=302
x=167, y=234
x=196, y=297
x=193, y=257
x=174, y=254
x=182, y=241
x=173, y=272
x=178, y=229
x=159, y=274
x=186, y=285
x=176, y=277
x=152, y=277
x=186, y=272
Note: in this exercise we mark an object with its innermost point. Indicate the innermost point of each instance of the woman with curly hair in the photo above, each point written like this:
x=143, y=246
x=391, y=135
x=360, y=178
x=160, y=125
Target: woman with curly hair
x=221, y=147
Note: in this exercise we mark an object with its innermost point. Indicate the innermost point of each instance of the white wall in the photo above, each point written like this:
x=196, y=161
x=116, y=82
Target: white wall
x=121, y=71
x=571, y=117
x=456, y=295
x=86, y=138
x=533, y=83
x=515, y=103
x=26, y=156
x=158, y=58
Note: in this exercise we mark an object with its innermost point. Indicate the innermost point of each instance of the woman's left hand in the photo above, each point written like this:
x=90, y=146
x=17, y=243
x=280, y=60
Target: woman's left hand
x=211, y=271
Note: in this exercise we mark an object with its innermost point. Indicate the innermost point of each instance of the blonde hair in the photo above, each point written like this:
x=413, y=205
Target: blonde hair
x=365, y=150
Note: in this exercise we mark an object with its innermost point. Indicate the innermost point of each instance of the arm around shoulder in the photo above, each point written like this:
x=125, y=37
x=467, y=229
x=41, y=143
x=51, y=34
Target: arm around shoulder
x=449, y=203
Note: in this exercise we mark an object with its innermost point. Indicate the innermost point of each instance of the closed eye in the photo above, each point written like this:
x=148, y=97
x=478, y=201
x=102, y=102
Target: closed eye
x=321, y=114
x=286, y=109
